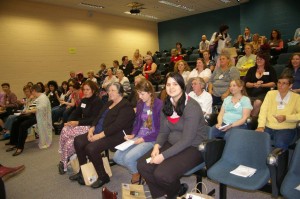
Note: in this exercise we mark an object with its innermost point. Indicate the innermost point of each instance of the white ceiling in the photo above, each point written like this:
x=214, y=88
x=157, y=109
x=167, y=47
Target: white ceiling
x=153, y=7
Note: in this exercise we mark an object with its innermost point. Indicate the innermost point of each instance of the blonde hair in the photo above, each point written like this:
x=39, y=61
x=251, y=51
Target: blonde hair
x=226, y=53
x=240, y=83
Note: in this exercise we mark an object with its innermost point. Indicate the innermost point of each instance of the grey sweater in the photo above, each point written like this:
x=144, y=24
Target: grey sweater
x=188, y=131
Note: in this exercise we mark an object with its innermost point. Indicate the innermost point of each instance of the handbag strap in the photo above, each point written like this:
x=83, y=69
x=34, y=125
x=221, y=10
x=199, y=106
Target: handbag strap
x=197, y=190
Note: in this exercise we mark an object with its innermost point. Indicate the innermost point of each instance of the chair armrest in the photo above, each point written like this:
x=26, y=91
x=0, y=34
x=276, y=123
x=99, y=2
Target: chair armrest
x=212, y=151
x=278, y=165
x=252, y=122
x=211, y=119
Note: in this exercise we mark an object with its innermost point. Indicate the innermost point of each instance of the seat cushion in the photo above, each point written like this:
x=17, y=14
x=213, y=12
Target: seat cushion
x=290, y=182
x=220, y=172
x=196, y=168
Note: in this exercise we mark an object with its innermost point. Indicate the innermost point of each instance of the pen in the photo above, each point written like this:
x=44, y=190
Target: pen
x=125, y=134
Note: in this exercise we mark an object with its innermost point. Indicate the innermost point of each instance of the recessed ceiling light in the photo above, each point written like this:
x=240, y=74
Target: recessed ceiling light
x=176, y=5
x=142, y=15
x=91, y=5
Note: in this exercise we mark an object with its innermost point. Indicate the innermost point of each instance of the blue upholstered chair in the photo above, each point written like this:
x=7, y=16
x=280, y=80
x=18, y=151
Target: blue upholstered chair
x=197, y=170
x=292, y=178
x=243, y=147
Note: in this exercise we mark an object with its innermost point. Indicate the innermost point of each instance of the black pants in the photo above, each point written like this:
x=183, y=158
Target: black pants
x=164, y=178
x=92, y=150
x=19, y=129
x=2, y=189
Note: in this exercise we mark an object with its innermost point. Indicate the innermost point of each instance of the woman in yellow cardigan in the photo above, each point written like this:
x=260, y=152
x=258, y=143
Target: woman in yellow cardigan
x=280, y=113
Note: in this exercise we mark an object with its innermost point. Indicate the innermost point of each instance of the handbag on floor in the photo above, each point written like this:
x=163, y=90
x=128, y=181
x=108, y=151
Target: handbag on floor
x=89, y=173
x=131, y=191
x=74, y=163
x=106, y=166
x=196, y=194
x=107, y=194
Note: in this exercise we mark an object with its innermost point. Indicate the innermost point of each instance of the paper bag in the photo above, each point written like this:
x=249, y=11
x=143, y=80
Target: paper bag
x=89, y=173
x=106, y=166
x=131, y=191
x=74, y=163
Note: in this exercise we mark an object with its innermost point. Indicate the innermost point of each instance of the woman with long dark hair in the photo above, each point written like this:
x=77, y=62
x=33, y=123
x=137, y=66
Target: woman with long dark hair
x=259, y=80
x=182, y=129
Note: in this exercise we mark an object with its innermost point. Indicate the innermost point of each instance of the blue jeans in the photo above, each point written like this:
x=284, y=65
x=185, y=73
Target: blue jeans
x=282, y=138
x=129, y=157
x=9, y=122
x=224, y=134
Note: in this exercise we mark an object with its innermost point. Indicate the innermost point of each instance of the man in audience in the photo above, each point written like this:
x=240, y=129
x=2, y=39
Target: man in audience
x=203, y=45
x=280, y=113
x=72, y=76
x=126, y=67
x=201, y=96
x=8, y=103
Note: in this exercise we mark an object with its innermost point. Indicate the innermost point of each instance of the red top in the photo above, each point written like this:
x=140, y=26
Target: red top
x=176, y=58
x=147, y=68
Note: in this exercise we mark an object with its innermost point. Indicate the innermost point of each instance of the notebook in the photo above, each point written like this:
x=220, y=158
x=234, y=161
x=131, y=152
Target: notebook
x=124, y=145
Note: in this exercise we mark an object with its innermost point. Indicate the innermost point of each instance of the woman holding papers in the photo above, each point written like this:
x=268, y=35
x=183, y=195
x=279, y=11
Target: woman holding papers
x=182, y=129
x=145, y=130
x=235, y=110
x=105, y=133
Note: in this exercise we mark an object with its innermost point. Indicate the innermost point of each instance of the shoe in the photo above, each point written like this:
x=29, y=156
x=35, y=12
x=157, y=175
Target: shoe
x=17, y=152
x=183, y=189
x=136, y=178
x=75, y=177
x=99, y=183
x=8, y=143
x=7, y=172
x=11, y=149
x=61, y=170
x=80, y=180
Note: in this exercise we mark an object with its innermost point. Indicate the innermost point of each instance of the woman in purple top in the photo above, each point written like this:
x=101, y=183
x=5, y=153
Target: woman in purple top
x=145, y=131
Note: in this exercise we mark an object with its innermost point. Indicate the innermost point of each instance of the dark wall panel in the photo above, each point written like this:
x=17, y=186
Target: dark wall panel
x=188, y=30
x=260, y=15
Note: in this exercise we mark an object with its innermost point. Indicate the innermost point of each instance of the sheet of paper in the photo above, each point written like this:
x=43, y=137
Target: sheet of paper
x=224, y=126
x=124, y=145
x=243, y=171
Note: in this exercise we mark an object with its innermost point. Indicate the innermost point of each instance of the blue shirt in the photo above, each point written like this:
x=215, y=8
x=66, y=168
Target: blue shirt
x=234, y=112
x=296, y=76
x=99, y=126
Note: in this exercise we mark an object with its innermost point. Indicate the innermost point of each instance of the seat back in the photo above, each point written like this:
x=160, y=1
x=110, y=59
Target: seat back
x=284, y=58
x=247, y=147
x=295, y=162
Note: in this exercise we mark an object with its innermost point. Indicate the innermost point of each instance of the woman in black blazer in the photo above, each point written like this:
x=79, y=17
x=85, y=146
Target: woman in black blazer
x=105, y=133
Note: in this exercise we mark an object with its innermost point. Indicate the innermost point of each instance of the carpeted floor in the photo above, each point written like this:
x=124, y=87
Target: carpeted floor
x=40, y=179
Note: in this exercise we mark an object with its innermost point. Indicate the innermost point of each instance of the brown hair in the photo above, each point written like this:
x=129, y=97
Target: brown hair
x=186, y=66
x=92, y=85
x=146, y=86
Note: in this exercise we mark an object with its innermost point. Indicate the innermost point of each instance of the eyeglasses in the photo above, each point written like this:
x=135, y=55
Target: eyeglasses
x=283, y=83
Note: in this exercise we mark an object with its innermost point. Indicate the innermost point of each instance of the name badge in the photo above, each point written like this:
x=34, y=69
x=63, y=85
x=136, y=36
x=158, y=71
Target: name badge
x=266, y=73
x=83, y=105
x=149, y=112
x=51, y=93
x=237, y=105
x=280, y=107
x=221, y=76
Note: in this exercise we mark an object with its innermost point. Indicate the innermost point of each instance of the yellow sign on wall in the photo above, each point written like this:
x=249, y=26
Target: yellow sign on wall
x=72, y=50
